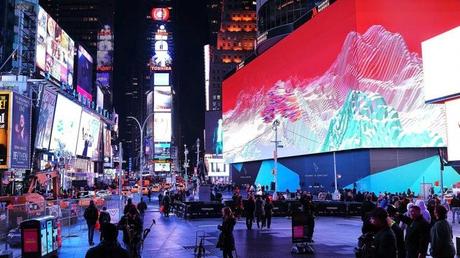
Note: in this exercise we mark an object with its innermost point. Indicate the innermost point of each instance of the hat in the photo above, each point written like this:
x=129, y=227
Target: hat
x=379, y=213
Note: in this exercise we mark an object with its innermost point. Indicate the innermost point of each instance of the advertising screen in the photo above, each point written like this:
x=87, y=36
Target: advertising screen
x=162, y=99
x=65, y=126
x=162, y=150
x=161, y=79
x=103, y=80
x=100, y=98
x=162, y=167
x=107, y=143
x=105, y=49
x=20, y=132
x=214, y=133
x=4, y=125
x=54, y=51
x=85, y=73
x=45, y=119
x=162, y=127
x=217, y=167
x=453, y=129
x=352, y=77
x=161, y=59
x=88, y=135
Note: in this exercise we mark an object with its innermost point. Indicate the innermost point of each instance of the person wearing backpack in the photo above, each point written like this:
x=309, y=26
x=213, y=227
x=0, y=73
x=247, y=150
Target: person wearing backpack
x=91, y=219
x=104, y=219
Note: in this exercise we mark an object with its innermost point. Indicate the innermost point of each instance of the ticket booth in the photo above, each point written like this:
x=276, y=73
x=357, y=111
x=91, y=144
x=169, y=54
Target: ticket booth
x=39, y=237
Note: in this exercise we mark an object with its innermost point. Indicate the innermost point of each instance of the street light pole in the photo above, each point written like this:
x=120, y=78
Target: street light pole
x=275, y=125
x=186, y=165
x=197, y=152
x=141, y=151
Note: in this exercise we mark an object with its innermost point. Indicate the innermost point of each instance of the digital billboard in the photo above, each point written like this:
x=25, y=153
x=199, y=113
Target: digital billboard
x=88, y=135
x=453, y=129
x=161, y=79
x=162, y=127
x=160, y=14
x=54, y=51
x=85, y=73
x=107, y=143
x=161, y=60
x=45, y=119
x=351, y=77
x=99, y=98
x=105, y=49
x=162, y=150
x=214, y=133
x=103, y=79
x=162, y=99
x=65, y=125
x=4, y=125
x=20, y=132
x=162, y=166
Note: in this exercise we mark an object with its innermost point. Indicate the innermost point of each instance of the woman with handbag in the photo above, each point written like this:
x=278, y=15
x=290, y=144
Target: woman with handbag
x=226, y=241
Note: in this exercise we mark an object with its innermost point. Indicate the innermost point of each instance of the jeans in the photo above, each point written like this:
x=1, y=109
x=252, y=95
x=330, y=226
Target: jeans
x=249, y=221
x=455, y=213
x=91, y=228
x=269, y=221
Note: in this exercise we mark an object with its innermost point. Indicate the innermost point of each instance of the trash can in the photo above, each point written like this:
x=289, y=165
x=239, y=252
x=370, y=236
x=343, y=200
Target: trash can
x=39, y=237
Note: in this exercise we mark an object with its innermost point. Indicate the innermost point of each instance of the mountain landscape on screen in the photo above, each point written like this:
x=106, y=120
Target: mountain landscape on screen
x=370, y=97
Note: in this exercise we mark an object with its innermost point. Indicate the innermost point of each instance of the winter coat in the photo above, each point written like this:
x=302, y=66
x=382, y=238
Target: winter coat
x=91, y=215
x=441, y=240
x=226, y=239
x=385, y=244
x=107, y=250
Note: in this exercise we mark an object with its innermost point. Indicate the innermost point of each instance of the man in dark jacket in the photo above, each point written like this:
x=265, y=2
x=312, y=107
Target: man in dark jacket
x=417, y=233
x=142, y=207
x=104, y=218
x=366, y=207
x=131, y=225
x=384, y=240
x=249, y=208
x=393, y=222
x=91, y=219
x=109, y=247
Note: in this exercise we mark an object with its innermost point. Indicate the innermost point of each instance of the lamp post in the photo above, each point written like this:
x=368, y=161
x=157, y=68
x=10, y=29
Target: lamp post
x=186, y=164
x=275, y=125
x=141, y=151
x=197, y=151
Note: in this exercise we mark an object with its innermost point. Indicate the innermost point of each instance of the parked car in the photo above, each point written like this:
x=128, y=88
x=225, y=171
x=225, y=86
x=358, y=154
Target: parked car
x=103, y=193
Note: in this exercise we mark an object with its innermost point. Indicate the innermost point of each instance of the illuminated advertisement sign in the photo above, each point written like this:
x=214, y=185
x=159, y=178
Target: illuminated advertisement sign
x=85, y=73
x=453, y=129
x=65, y=126
x=162, y=127
x=441, y=59
x=161, y=79
x=162, y=150
x=45, y=119
x=103, y=80
x=214, y=133
x=100, y=98
x=162, y=99
x=161, y=61
x=217, y=167
x=54, y=51
x=365, y=89
x=20, y=132
x=160, y=14
x=107, y=143
x=88, y=135
x=104, y=49
x=162, y=166
x=4, y=125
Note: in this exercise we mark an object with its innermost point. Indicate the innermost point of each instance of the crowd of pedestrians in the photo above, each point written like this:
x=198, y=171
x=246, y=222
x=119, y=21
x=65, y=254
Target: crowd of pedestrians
x=400, y=225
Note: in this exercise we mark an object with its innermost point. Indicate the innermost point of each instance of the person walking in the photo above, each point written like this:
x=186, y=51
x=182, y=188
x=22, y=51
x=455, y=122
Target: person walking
x=131, y=225
x=393, y=222
x=109, y=246
x=166, y=204
x=455, y=208
x=129, y=205
x=91, y=215
x=442, y=245
x=104, y=218
x=226, y=241
x=249, y=209
x=142, y=207
x=268, y=207
x=260, y=211
x=149, y=194
x=417, y=233
x=384, y=240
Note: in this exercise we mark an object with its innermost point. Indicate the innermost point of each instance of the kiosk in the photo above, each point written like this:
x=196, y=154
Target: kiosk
x=39, y=237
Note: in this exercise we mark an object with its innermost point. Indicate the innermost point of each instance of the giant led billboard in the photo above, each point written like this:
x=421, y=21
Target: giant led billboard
x=104, y=49
x=85, y=73
x=45, y=119
x=351, y=77
x=65, y=125
x=162, y=99
x=54, y=50
x=214, y=133
x=4, y=127
x=20, y=132
x=162, y=127
x=88, y=135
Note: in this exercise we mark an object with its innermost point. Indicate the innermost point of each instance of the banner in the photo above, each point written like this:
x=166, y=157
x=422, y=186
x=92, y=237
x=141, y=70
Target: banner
x=45, y=119
x=4, y=119
x=20, y=132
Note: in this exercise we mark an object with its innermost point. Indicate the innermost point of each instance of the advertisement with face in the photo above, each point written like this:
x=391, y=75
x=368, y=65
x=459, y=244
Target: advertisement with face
x=104, y=48
x=55, y=50
x=45, y=119
x=65, y=126
x=162, y=127
x=4, y=119
x=162, y=150
x=20, y=135
x=162, y=99
x=88, y=135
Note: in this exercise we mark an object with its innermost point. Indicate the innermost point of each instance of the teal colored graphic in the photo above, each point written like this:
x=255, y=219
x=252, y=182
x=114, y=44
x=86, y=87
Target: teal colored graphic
x=238, y=166
x=411, y=176
x=366, y=120
x=287, y=179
